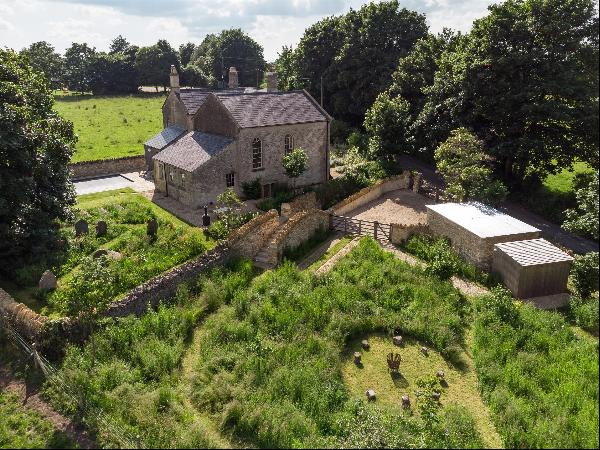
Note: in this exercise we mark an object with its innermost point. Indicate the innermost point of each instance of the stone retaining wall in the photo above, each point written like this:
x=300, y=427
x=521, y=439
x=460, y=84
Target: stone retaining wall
x=372, y=192
x=301, y=203
x=299, y=228
x=164, y=286
x=248, y=240
x=89, y=169
x=27, y=322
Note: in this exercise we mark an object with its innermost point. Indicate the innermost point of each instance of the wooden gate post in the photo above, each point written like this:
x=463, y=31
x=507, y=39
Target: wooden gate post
x=345, y=225
x=359, y=227
x=375, y=229
x=331, y=221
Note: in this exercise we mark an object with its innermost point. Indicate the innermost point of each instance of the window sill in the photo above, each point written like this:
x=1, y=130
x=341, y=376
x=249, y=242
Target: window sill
x=258, y=169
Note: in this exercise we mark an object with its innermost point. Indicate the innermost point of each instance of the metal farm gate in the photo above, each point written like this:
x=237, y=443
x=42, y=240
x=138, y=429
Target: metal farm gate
x=358, y=227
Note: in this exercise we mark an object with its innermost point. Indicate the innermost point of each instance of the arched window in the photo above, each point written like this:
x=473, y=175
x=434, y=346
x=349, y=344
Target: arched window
x=256, y=154
x=288, y=144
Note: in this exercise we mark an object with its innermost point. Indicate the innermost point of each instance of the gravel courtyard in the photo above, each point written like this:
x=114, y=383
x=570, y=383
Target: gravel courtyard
x=401, y=206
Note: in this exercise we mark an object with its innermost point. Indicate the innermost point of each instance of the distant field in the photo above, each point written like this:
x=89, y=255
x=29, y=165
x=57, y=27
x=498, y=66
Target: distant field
x=111, y=126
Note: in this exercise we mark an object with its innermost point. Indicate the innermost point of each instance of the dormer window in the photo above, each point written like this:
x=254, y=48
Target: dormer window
x=256, y=154
x=288, y=144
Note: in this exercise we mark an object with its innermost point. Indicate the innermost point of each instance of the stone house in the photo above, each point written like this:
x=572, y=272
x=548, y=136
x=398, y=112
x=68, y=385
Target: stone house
x=218, y=139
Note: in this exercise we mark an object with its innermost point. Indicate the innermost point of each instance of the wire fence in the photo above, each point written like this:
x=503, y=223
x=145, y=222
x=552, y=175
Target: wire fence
x=53, y=376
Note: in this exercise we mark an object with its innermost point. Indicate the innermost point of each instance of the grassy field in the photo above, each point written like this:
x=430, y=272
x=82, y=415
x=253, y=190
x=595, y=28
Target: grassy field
x=111, y=126
x=83, y=278
x=24, y=428
x=259, y=361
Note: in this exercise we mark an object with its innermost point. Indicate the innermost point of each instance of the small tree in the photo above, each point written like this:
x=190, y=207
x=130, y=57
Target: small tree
x=465, y=168
x=584, y=218
x=295, y=163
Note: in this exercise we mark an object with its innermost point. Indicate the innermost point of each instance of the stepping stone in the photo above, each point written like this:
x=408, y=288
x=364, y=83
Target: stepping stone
x=425, y=350
x=365, y=344
x=397, y=340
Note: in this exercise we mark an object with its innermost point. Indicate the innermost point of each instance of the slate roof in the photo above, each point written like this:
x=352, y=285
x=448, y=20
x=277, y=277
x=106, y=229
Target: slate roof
x=272, y=108
x=165, y=137
x=255, y=108
x=192, y=150
x=533, y=252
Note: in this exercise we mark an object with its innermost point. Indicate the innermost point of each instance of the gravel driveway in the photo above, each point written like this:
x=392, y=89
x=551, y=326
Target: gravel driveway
x=401, y=206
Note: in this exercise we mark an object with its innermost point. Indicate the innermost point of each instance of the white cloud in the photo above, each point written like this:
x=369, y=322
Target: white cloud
x=272, y=23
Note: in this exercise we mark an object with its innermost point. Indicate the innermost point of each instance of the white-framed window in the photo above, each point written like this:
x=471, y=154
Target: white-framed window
x=171, y=175
x=288, y=143
x=230, y=179
x=256, y=154
x=182, y=178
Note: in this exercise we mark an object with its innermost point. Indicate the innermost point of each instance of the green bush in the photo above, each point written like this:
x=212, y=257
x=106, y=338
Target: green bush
x=281, y=194
x=584, y=274
x=539, y=379
x=252, y=189
x=585, y=312
x=336, y=190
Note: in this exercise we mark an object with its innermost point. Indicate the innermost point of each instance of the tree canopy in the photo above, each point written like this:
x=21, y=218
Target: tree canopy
x=153, y=64
x=525, y=80
x=42, y=58
x=35, y=148
x=354, y=55
x=217, y=53
x=77, y=73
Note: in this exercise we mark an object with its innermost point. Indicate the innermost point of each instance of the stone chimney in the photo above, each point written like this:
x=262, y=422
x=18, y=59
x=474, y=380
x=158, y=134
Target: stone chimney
x=174, y=79
x=271, y=81
x=233, y=78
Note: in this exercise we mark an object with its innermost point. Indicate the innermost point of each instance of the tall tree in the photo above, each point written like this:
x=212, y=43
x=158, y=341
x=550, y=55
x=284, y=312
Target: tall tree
x=217, y=53
x=43, y=58
x=112, y=74
x=375, y=37
x=153, y=64
x=77, y=60
x=35, y=148
x=185, y=53
x=287, y=72
x=527, y=84
x=119, y=45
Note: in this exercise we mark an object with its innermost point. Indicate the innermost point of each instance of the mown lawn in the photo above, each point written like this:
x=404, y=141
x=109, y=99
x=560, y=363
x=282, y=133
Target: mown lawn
x=84, y=279
x=21, y=427
x=111, y=126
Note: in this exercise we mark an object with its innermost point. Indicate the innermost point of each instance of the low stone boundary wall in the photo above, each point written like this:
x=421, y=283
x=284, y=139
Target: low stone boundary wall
x=299, y=228
x=164, y=286
x=248, y=240
x=19, y=316
x=372, y=192
x=89, y=169
x=301, y=203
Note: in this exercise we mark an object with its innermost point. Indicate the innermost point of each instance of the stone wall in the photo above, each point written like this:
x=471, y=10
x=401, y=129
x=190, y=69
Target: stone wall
x=299, y=228
x=473, y=248
x=213, y=118
x=174, y=113
x=301, y=203
x=89, y=169
x=372, y=192
x=27, y=322
x=248, y=240
x=399, y=233
x=164, y=286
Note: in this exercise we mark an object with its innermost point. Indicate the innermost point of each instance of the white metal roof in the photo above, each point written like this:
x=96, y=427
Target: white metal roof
x=533, y=252
x=482, y=220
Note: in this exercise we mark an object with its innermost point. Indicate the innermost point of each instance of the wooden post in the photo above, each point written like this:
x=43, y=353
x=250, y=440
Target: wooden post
x=345, y=225
x=359, y=227
x=331, y=221
x=375, y=229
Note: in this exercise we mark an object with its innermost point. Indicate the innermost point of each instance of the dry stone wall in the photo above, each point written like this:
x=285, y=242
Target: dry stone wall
x=248, y=240
x=27, y=322
x=399, y=233
x=89, y=169
x=372, y=192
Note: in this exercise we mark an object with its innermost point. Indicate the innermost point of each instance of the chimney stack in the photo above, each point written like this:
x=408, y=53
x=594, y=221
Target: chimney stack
x=174, y=79
x=271, y=81
x=233, y=78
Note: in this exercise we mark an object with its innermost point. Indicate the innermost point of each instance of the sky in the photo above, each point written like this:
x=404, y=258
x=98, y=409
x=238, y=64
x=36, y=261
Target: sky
x=272, y=23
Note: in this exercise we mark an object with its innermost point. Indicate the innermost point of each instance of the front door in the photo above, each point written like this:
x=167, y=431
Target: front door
x=266, y=190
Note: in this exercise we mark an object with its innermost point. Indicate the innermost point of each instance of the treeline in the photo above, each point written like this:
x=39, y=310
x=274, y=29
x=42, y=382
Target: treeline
x=125, y=67
x=523, y=82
